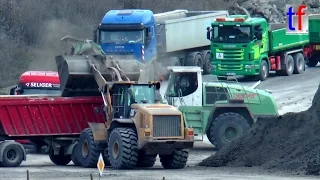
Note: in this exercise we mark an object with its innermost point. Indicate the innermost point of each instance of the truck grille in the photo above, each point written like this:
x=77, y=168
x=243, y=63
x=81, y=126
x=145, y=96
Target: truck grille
x=166, y=126
x=232, y=59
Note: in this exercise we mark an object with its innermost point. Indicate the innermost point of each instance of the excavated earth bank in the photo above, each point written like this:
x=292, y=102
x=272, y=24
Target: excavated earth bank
x=290, y=142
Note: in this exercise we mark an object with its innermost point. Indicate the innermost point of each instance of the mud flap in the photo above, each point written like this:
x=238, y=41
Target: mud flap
x=99, y=131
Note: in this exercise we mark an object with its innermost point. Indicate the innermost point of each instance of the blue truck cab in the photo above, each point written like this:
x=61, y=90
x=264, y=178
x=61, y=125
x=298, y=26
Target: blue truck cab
x=128, y=32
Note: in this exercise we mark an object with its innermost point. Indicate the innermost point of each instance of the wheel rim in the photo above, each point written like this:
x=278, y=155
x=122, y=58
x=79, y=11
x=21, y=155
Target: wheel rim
x=290, y=66
x=209, y=65
x=85, y=149
x=230, y=133
x=300, y=64
x=264, y=71
x=115, y=150
x=12, y=155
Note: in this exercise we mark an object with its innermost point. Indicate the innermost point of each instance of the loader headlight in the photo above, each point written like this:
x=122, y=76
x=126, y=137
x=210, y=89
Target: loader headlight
x=133, y=112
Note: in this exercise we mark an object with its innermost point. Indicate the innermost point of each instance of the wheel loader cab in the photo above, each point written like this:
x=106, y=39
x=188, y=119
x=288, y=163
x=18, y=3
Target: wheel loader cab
x=124, y=95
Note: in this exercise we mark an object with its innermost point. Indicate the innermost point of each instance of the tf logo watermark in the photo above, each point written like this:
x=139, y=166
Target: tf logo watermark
x=297, y=19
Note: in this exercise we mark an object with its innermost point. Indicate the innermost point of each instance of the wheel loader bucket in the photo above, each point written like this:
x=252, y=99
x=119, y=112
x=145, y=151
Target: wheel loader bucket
x=77, y=78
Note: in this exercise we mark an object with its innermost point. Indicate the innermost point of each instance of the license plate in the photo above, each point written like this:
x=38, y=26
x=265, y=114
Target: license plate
x=231, y=74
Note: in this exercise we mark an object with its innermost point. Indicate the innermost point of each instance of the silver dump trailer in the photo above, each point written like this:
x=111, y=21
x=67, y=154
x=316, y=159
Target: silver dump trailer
x=181, y=37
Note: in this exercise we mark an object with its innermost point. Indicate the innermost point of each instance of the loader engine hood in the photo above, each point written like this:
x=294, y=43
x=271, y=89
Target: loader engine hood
x=258, y=100
x=157, y=109
x=134, y=50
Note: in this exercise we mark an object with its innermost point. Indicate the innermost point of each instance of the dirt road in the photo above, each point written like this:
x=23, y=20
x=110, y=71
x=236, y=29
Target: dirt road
x=292, y=93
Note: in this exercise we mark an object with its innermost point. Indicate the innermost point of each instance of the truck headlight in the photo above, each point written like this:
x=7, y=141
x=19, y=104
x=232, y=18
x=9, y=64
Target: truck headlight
x=249, y=66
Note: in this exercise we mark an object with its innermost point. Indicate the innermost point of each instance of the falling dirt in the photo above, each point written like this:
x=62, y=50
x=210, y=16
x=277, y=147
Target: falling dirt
x=290, y=142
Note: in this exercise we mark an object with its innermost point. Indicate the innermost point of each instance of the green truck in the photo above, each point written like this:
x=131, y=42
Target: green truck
x=223, y=111
x=313, y=53
x=242, y=45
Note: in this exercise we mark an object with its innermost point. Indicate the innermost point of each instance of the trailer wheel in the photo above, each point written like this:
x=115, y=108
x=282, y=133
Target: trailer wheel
x=312, y=62
x=88, y=154
x=146, y=160
x=207, y=65
x=298, y=63
x=176, y=160
x=61, y=159
x=74, y=157
x=264, y=71
x=12, y=155
x=226, y=128
x=123, y=148
x=289, y=66
x=194, y=59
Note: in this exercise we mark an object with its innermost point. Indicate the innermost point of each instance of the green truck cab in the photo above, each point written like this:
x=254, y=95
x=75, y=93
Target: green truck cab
x=223, y=110
x=241, y=45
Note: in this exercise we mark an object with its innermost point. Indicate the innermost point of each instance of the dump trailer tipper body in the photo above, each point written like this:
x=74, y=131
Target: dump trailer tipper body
x=172, y=38
x=314, y=38
x=247, y=46
x=46, y=120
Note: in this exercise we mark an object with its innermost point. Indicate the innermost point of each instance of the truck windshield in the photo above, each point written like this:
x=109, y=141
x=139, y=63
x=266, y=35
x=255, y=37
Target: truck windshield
x=182, y=84
x=142, y=94
x=41, y=91
x=232, y=34
x=120, y=37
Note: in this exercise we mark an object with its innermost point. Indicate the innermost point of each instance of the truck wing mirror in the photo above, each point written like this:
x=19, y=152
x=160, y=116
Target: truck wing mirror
x=13, y=90
x=208, y=33
x=19, y=90
x=149, y=35
x=259, y=35
x=95, y=35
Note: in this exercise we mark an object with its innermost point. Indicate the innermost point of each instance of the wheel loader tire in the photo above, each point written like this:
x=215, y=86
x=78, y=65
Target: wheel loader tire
x=226, y=128
x=207, y=65
x=194, y=59
x=61, y=159
x=298, y=63
x=106, y=157
x=74, y=157
x=177, y=160
x=312, y=62
x=123, y=148
x=88, y=153
x=12, y=155
x=146, y=160
x=289, y=66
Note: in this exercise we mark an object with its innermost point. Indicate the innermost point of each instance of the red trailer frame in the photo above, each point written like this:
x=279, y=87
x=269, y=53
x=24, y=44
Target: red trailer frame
x=50, y=120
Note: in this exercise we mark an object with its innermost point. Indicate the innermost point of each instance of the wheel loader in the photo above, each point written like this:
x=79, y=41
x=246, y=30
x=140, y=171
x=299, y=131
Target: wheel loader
x=136, y=127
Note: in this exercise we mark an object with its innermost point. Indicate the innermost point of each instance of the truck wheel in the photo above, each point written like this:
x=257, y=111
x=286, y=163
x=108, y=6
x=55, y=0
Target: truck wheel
x=88, y=154
x=146, y=160
x=61, y=159
x=226, y=128
x=12, y=154
x=74, y=158
x=289, y=66
x=264, y=71
x=207, y=65
x=123, y=148
x=194, y=59
x=177, y=160
x=298, y=63
x=312, y=62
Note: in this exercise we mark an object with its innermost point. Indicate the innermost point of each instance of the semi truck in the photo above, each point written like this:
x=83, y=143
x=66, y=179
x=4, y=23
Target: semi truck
x=247, y=46
x=223, y=110
x=36, y=82
x=314, y=40
x=169, y=38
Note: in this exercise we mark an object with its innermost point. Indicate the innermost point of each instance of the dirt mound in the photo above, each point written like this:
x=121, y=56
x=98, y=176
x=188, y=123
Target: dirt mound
x=289, y=142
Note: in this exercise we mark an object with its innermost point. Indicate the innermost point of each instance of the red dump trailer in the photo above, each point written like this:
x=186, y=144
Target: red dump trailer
x=48, y=120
